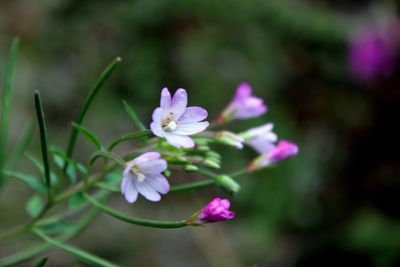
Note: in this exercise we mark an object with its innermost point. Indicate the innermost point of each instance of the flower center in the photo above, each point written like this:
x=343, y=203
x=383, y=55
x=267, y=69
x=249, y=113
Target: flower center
x=140, y=177
x=171, y=126
x=168, y=124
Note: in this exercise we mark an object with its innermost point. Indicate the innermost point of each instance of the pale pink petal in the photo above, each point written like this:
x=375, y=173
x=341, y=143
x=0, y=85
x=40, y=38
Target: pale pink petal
x=165, y=101
x=147, y=191
x=146, y=157
x=179, y=141
x=156, y=129
x=153, y=167
x=193, y=114
x=157, y=115
x=159, y=183
x=179, y=103
x=129, y=190
x=191, y=128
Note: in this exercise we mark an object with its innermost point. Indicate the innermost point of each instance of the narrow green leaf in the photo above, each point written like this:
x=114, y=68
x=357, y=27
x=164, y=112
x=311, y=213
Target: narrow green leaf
x=43, y=141
x=58, y=227
x=34, y=206
x=40, y=167
x=60, y=158
x=41, y=262
x=107, y=155
x=22, y=144
x=80, y=254
x=88, y=135
x=108, y=187
x=76, y=201
x=89, y=99
x=131, y=136
x=132, y=114
x=133, y=220
x=32, y=181
x=6, y=105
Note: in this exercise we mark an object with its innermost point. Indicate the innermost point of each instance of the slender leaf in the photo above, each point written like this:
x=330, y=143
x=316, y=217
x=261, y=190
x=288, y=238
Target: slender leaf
x=40, y=167
x=88, y=135
x=41, y=262
x=76, y=201
x=107, y=155
x=131, y=136
x=32, y=181
x=89, y=99
x=80, y=254
x=132, y=114
x=34, y=206
x=43, y=141
x=6, y=105
x=60, y=158
x=133, y=220
x=22, y=144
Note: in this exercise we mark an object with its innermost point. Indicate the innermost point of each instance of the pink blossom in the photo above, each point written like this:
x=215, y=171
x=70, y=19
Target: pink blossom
x=243, y=106
x=215, y=211
x=174, y=121
x=143, y=175
x=283, y=150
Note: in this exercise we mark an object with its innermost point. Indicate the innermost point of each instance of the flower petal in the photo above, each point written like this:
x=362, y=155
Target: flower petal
x=147, y=191
x=179, y=103
x=153, y=167
x=243, y=91
x=156, y=129
x=157, y=115
x=129, y=190
x=146, y=157
x=179, y=140
x=193, y=114
x=191, y=128
x=159, y=183
x=165, y=101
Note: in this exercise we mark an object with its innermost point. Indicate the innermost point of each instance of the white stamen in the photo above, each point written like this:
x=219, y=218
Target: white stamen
x=171, y=126
x=140, y=177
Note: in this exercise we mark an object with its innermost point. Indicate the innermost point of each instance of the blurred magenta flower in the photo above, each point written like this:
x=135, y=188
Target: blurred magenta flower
x=215, y=211
x=260, y=138
x=372, y=52
x=143, y=175
x=175, y=122
x=243, y=106
x=283, y=150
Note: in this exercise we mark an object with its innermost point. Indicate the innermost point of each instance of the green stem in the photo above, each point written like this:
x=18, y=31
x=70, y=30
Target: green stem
x=130, y=136
x=83, y=255
x=6, y=105
x=89, y=99
x=136, y=221
x=43, y=141
x=192, y=186
x=239, y=173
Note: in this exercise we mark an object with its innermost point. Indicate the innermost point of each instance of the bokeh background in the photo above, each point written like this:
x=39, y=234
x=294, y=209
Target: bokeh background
x=327, y=70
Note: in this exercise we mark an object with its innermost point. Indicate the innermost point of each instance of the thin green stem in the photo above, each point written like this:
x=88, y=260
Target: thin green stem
x=131, y=136
x=6, y=105
x=239, y=173
x=89, y=99
x=192, y=186
x=43, y=142
x=136, y=221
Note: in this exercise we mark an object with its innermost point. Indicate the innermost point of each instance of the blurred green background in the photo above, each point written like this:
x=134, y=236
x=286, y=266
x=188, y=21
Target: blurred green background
x=334, y=204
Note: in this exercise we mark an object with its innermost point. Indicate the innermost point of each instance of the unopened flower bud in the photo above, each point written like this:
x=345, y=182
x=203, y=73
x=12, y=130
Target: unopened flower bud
x=191, y=168
x=229, y=138
x=227, y=183
x=211, y=164
x=215, y=211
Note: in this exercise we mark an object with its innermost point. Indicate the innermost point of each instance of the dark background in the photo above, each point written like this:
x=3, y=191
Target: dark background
x=335, y=204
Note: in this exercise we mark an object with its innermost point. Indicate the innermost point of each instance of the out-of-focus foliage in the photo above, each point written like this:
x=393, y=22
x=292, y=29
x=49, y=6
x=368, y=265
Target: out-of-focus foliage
x=335, y=203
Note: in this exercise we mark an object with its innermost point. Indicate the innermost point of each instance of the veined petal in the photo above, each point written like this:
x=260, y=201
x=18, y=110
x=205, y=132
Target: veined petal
x=191, y=128
x=159, y=183
x=157, y=115
x=179, y=103
x=129, y=190
x=165, y=101
x=156, y=129
x=146, y=157
x=147, y=191
x=193, y=114
x=153, y=167
x=179, y=141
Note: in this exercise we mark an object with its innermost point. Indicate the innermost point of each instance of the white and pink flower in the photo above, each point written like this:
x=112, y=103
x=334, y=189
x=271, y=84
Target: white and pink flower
x=260, y=138
x=174, y=121
x=143, y=175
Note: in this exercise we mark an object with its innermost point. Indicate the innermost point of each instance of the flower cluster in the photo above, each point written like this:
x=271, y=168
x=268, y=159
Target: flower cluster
x=183, y=140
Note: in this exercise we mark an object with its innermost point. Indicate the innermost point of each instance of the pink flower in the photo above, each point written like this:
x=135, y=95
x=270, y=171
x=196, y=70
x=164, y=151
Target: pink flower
x=215, y=211
x=260, y=138
x=283, y=150
x=175, y=122
x=143, y=175
x=243, y=106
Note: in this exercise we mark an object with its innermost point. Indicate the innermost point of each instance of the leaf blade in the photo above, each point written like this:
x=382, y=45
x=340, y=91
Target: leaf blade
x=132, y=114
x=88, y=135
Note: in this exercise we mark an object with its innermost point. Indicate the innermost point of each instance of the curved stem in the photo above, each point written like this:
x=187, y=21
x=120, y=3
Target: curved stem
x=137, y=221
x=131, y=136
x=239, y=173
x=192, y=186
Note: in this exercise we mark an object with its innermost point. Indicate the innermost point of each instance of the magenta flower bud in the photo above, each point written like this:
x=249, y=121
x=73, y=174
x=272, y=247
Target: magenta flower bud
x=283, y=150
x=215, y=211
x=243, y=106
